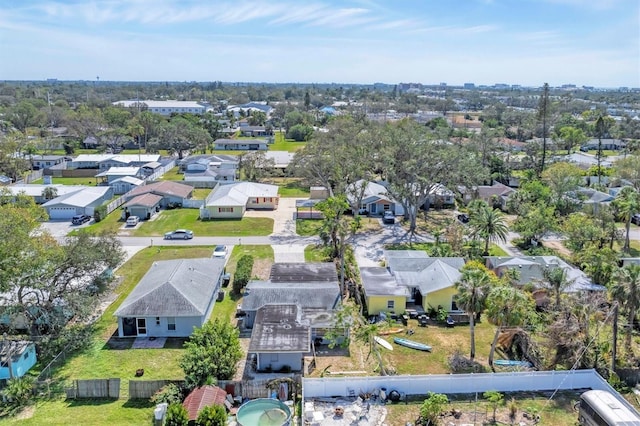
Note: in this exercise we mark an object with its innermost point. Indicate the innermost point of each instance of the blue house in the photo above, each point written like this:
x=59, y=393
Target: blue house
x=19, y=355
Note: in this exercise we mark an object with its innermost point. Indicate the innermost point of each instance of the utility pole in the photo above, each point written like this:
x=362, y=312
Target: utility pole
x=6, y=344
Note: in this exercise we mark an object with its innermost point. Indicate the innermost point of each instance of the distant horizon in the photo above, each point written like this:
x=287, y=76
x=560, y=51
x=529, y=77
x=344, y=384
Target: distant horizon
x=487, y=42
x=293, y=83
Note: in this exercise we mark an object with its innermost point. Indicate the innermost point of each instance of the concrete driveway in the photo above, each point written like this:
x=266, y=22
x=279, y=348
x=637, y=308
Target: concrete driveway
x=284, y=222
x=60, y=228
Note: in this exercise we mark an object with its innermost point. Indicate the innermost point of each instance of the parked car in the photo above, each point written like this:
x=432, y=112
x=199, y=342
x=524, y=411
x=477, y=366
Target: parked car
x=388, y=217
x=636, y=219
x=79, y=219
x=220, y=251
x=464, y=218
x=179, y=234
x=133, y=220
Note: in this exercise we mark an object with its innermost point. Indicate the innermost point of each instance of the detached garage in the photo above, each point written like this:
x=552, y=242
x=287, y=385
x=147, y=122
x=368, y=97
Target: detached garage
x=83, y=201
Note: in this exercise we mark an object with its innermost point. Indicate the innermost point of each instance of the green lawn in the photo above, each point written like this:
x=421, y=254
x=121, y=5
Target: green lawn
x=314, y=253
x=282, y=144
x=201, y=193
x=289, y=187
x=87, y=181
x=112, y=223
x=188, y=218
x=308, y=227
x=173, y=175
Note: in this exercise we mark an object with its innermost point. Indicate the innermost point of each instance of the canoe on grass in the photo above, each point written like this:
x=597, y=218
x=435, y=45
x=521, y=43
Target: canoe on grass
x=391, y=331
x=412, y=344
x=511, y=363
x=383, y=343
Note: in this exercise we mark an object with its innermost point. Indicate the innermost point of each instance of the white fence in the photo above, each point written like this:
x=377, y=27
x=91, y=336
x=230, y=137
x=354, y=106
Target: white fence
x=161, y=171
x=459, y=383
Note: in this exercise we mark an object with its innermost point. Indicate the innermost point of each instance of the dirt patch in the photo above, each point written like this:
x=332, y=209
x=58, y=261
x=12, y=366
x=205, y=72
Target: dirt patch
x=26, y=413
x=261, y=268
x=559, y=247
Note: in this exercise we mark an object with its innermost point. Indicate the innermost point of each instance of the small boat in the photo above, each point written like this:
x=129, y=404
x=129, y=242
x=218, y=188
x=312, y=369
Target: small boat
x=383, y=343
x=412, y=344
x=391, y=331
x=512, y=363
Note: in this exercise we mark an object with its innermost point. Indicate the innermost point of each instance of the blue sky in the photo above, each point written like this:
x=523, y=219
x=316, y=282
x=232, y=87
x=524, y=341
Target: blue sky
x=528, y=42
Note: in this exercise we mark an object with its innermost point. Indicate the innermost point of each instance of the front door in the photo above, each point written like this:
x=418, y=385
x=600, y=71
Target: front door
x=142, y=326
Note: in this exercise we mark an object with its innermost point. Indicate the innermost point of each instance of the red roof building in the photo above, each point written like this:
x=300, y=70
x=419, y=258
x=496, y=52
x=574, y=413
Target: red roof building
x=201, y=397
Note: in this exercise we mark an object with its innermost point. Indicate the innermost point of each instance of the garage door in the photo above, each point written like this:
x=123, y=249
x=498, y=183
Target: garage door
x=57, y=213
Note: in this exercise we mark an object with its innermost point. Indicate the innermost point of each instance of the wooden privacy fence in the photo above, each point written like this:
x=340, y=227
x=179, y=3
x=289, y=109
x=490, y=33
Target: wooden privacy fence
x=94, y=388
x=144, y=389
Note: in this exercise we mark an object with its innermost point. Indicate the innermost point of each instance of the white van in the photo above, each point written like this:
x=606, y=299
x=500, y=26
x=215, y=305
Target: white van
x=133, y=220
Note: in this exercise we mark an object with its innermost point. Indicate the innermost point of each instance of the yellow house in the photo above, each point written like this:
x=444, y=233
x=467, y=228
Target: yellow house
x=411, y=279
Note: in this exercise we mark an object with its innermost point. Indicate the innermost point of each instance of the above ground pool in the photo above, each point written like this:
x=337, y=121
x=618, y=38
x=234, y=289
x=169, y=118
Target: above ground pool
x=263, y=412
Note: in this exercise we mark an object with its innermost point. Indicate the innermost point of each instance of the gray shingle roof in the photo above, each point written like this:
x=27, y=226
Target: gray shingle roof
x=179, y=288
x=278, y=328
x=378, y=281
x=304, y=272
x=324, y=295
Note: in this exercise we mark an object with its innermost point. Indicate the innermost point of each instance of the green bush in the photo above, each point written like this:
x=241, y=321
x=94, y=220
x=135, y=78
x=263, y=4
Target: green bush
x=100, y=213
x=170, y=394
x=177, y=415
x=243, y=273
x=19, y=390
x=212, y=415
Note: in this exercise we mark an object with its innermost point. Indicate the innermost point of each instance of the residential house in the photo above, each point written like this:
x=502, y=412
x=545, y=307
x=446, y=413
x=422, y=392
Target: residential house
x=241, y=144
x=531, y=270
x=251, y=106
x=151, y=167
x=105, y=161
x=115, y=173
x=171, y=193
x=203, y=396
x=281, y=159
x=231, y=200
x=143, y=206
x=584, y=160
x=37, y=191
x=83, y=201
x=165, y=108
x=202, y=169
x=294, y=308
x=172, y=298
x=375, y=198
x=592, y=199
x=441, y=197
x=496, y=194
x=606, y=144
x=280, y=338
x=255, y=131
x=16, y=358
x=125, y=184
x=46, y=161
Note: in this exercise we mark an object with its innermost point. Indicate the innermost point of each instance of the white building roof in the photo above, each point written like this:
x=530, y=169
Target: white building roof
x=80, y=198
x=120, y=171
x=160, y=104
x=123, y=158
x=238, y=193
x=35, y=190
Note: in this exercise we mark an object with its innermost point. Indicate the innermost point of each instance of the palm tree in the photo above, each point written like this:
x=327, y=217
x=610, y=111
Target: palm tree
x=625, y=289
x=489, y=224
x=627, y=203
x=556, y=278
x=507, y=307
x=472, y=290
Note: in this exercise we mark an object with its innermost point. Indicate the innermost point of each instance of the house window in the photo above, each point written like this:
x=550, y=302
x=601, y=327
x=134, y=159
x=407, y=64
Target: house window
x=390, y=304
x=386, y=207
x=454, y=307
x=225, y=209
x=171, y=323
x=157, y=320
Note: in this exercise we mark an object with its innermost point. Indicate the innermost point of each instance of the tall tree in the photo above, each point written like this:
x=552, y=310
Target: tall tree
x=211, y=354
x=489, y=224
x=625, y=289
x=601, y=128
x=544, y=113
x=572, y=137
x=563, y=180
x=626, y=204
x=472, y=290
x=556, y=279
x=629, y=169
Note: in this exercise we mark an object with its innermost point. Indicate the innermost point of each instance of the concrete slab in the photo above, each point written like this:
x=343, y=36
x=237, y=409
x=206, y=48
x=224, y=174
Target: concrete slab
x=288, y=253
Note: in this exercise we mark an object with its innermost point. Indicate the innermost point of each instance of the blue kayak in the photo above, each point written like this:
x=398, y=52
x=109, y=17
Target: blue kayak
x=411, y=344
x=512, y=363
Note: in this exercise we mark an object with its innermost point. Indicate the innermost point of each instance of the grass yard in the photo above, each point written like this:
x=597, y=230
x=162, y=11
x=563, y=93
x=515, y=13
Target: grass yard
x=289, y=187
x=86, y=181
x=308, y=227
x=201, y=193
x=314, y=253
x=168, y=220
x=112, y=223
x=282, y=144
x=173, y=175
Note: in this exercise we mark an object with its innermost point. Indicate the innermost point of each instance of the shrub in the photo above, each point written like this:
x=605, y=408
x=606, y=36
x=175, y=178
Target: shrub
x=177, y=415
x=19, y=390
x=170, y=394
x=100, y=213
x=213, y=415
x=243, y=273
